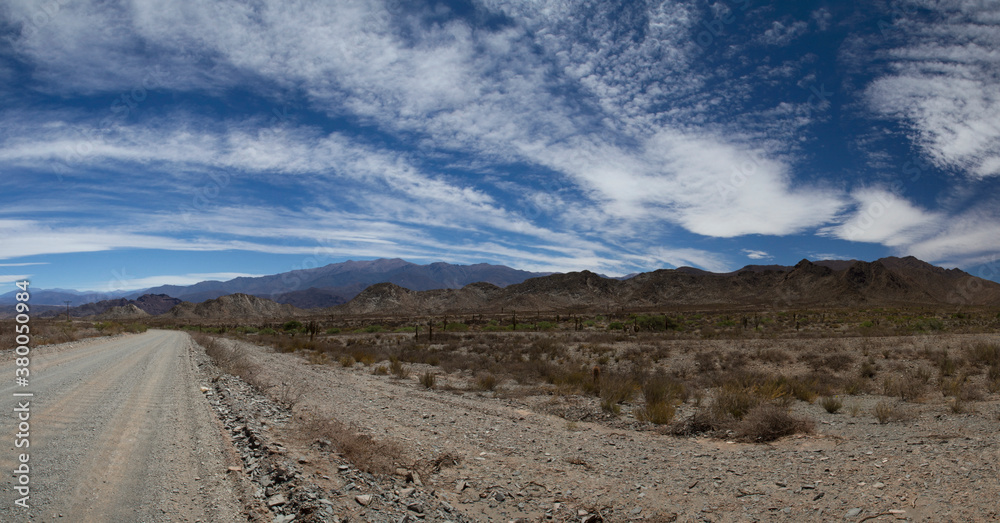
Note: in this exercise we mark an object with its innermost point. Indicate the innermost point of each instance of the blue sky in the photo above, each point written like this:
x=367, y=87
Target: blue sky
x=151, y=142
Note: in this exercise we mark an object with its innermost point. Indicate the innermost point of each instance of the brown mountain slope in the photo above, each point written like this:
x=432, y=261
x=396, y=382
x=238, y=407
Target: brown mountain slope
x=125, y=312
x=889, y=281
x=233, y=306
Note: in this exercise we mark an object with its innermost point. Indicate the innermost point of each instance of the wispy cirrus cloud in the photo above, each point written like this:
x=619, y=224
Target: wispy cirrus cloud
x=941, y=82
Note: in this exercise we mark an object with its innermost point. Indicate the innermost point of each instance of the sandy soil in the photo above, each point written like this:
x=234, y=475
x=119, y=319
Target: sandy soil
x=520, y=461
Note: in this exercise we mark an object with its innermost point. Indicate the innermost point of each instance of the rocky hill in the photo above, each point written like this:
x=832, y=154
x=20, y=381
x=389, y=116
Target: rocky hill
x=124, y=312
x=889, y=281
x=243, y=306
x=151, y=304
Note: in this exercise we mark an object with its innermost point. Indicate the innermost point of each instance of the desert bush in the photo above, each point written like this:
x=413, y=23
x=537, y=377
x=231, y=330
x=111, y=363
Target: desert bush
x=705, y=361
x=946, y=365
x=615, y=388
x=347, y=361
x=487, y=381
x=768, y=422
x=399, y=370
x=984, y=354
x=910, y=387
x=659, y=388
x=831, y=404
x=381, y=370
x=292, y=325
x=993, y=379
x=456, y=327
x=363, y=451
x=868, y=368
x=659, y=393
x=957, y=405
x=366, y=358
x=318, y=358
x=854, y=386
x=428, y=379
x=886, y=411
x=772, y=355
x=656, y=413
x=834, y=362
x=733, y=401
x=288, y=394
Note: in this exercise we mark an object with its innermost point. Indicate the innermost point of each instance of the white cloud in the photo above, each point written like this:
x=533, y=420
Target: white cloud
x=8, y=280
x=942, y=83
x=780, y=34
x=706, y=260
x=756, y=255
x=822, y=17
x=970, y=238
x=880, y=216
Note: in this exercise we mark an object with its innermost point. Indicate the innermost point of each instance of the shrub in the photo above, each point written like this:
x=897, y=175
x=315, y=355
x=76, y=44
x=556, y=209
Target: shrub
x=333, y=330
x=381, y=370
x=831, y=404
x=868, y=369
x=946, y=365
x=984, y=354
x=768, y=422
x=886, y=411
x=659, y=393
x=487, y=382
x=733, y=402
x=291, y=325
x=456, y=327
x=616, y=326
x=615, y=389
x=347, y=361
x=657, y=413
x=993, y=379
x=909, y=388
x=318, y=358
x=428, y=379
x=399, y=370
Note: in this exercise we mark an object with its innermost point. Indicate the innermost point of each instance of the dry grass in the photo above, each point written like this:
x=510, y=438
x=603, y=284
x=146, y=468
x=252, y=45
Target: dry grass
x=363, y=451
x=831, y=404
x=615, y=389
x=428, y=379
x=768, y=422
x=887, y=411
x=487, y=381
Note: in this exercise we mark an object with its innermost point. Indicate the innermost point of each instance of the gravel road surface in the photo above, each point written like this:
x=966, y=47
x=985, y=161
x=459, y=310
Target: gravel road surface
x=119, y=431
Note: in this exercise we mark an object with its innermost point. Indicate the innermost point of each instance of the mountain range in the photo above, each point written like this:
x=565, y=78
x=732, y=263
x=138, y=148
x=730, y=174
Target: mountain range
x=325, y=286
x=400, y=287
x=838, y=283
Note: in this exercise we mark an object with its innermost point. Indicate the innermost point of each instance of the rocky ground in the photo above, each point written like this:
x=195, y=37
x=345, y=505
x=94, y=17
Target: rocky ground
x=530, y=455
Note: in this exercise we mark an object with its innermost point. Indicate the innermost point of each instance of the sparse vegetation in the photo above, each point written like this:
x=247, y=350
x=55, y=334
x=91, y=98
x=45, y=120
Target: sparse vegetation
x=769, y=421
x=831, y=404
x=733, y=364
x=887, y=411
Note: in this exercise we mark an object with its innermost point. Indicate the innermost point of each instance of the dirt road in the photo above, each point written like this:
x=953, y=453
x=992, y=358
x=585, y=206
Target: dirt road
x=119, y=431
